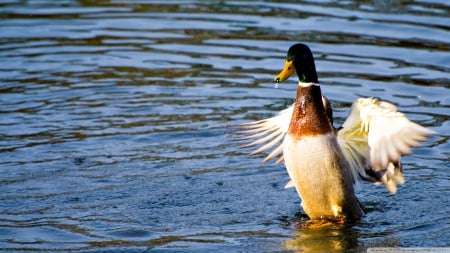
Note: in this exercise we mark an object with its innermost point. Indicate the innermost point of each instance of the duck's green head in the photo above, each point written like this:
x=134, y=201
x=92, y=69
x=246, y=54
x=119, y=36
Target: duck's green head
x=299, y=59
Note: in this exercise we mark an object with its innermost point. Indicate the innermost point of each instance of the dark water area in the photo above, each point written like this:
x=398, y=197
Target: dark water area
x=114, y=115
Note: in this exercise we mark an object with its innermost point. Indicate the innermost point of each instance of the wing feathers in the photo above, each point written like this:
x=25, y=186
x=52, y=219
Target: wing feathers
x=384, y=136
x=275, y=152
x=263, y=139
x=269, y=133
x=269, y=144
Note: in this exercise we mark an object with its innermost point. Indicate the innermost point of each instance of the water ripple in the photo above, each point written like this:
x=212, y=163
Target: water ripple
x=113, y=120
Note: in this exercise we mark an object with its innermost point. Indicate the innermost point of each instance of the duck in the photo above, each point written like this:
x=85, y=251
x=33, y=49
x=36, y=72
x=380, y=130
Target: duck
x=323, y=162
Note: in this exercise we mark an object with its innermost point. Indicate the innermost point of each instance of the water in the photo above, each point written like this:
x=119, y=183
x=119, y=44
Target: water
x=113, y=120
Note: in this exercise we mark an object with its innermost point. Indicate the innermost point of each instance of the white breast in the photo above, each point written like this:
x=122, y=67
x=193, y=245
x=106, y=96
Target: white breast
x=318, y=172
x=309, y=157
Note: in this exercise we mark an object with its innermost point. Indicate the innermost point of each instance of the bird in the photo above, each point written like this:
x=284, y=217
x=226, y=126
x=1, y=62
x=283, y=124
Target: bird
x=324, y=162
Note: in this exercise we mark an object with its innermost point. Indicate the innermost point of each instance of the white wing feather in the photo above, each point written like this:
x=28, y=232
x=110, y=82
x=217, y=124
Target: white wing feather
x=270, y=131
x=374, y=137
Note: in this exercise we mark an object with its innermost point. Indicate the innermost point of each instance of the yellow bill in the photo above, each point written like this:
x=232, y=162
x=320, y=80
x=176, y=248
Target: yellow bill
x=287, y=71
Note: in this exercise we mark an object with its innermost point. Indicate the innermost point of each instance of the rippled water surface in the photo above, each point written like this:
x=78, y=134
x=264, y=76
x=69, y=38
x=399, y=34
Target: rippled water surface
x=113, y=120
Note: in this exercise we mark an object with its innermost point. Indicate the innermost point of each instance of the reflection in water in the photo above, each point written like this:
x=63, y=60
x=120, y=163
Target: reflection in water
x=339, y=239
x=327, y=239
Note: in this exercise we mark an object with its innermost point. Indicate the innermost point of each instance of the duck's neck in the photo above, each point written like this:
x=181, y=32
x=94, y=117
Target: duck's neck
x=306, y=72
x=309, y=117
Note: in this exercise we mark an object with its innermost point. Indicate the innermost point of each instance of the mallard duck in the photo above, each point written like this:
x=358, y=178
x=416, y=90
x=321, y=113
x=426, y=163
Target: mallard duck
x=324, y=162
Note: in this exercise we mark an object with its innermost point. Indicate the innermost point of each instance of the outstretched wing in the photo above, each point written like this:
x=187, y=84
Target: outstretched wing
x=374, y=137
x=268, y=133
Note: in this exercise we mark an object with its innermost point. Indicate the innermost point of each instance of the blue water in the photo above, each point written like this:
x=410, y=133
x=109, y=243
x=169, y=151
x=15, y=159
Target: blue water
x=114, y=115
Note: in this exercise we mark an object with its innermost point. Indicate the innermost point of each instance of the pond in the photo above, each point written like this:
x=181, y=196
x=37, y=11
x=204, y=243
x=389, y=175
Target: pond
x=114, y=122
